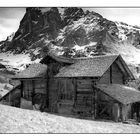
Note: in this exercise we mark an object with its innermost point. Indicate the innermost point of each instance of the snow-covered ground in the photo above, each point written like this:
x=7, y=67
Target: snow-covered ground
x=18, y=61
x=15, y=120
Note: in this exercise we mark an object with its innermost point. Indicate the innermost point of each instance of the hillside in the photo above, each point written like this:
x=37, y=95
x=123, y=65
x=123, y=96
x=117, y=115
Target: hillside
x=15, y=120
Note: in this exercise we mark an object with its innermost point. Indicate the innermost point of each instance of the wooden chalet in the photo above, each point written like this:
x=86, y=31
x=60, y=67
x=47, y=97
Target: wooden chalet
x=86, y=87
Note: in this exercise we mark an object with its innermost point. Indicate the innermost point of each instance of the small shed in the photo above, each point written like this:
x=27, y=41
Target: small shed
x=125, y=97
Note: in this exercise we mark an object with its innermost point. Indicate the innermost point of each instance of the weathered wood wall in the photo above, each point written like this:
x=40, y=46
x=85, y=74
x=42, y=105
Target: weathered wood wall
x=117, y=76
x=106, y=106
x=126, y=112
x=114, y=76
x=105, y=79
x=85, y=85
x=62, y=94
x=27, y=89
x=65, y=93
x=34, y=92
x=53, y=94
x=104, y=97
x=40, y=86
x=13, y=97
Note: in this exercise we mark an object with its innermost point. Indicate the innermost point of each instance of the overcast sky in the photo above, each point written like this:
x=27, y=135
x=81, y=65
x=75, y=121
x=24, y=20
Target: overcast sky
x=9, y=20
x=10, y=17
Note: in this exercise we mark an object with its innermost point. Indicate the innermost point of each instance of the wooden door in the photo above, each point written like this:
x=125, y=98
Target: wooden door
x=65, y=96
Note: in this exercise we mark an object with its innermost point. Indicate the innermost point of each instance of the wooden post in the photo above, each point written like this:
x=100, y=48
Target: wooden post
x=21, y=93
x=33, y=93
x=47, y=90
x=110, y=74
x=95, y=103
x=75, y=91
x=116, y=112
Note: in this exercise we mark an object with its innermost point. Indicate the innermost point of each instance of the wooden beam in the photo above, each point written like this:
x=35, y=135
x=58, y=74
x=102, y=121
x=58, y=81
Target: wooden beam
x=95, y=102
x=118, y=64
x=21, y=94
x=33, y=93
x=124, y=68
x=111, y=74
x=21, y=88
x=24, y=79
x=47, y=90
x=75, y=91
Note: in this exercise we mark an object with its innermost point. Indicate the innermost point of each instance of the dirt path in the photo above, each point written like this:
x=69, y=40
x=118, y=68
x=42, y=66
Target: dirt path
x=15, y=120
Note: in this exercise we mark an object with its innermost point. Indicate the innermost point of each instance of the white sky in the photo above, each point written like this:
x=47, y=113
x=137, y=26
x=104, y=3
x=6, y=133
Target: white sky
x=9, y=20
x=127, y=15
x=10, y=17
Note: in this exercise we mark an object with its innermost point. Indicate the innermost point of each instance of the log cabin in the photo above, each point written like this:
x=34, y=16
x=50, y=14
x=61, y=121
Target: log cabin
x=84, y=87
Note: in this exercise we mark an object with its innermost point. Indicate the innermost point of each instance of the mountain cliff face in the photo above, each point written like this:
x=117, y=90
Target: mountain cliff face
x=72, y=32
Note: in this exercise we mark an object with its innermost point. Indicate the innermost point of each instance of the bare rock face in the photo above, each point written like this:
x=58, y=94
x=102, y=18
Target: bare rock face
x=35, y=26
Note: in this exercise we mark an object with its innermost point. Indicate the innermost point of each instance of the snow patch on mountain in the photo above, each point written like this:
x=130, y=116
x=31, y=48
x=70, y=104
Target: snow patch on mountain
x=10, y=38
x=86, y=23
x=61, y=10
x=129, y=52
x=80, y=48
x=16, y=61
x=45, y=9
x=125, y=29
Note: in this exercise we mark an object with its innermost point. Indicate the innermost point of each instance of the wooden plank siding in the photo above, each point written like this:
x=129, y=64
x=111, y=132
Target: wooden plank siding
x=65, y=96
x=117, y=75
x=13, y=97
x=84, y=85
x=53, y=94
x=105, y=79
x=84, y=99
x=112, y=76
x=33, y=92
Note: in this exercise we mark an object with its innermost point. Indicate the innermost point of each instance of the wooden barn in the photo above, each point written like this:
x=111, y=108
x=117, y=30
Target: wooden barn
x=86, y=87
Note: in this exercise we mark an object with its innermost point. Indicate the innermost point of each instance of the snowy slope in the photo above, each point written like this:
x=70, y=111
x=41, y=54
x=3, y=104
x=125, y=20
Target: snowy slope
x=15, y=120
x=16, y=61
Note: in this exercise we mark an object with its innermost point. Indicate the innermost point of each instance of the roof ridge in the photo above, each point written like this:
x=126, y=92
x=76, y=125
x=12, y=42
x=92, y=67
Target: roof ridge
x=99, y=56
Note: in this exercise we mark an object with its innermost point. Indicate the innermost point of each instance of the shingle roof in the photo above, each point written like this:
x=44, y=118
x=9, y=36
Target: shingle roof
x=89, y=67
x=121, y=93
x=33, y=71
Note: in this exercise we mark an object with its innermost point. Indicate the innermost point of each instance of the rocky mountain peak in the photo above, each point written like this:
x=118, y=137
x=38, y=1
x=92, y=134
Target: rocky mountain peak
x=73, y=32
